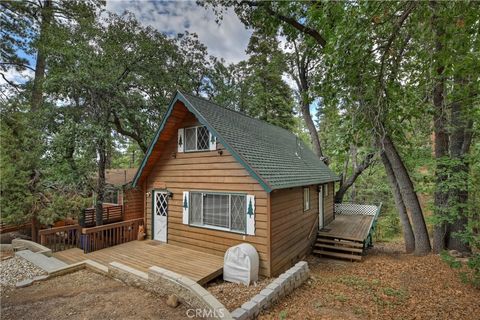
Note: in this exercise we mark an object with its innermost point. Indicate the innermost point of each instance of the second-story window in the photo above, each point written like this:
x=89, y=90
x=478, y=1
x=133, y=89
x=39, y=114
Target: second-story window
x=197, y=138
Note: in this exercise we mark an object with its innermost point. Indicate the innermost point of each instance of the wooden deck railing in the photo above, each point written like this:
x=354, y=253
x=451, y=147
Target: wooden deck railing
x=109, y=235
x=60, y=238
x=111, y=214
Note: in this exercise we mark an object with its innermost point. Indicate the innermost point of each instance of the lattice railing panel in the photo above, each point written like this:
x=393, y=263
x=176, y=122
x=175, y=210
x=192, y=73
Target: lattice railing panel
x=353, y=208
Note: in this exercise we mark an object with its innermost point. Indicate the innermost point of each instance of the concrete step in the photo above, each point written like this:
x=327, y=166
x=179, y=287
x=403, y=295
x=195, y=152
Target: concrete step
x=45, y=263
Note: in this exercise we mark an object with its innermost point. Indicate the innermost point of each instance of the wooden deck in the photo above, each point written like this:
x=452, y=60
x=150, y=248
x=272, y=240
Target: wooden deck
x=349, y=227
x=198, y=266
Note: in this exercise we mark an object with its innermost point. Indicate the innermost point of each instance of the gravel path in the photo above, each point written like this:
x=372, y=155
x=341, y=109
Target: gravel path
x=16, y=269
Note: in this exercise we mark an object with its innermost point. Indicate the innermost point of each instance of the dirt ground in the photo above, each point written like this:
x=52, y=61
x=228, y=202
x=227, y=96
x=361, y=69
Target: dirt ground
x=85, y=295
x=387, y=284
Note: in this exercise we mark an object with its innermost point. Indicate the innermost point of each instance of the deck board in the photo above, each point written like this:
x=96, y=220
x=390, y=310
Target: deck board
x=198, y=266
x=349, y=227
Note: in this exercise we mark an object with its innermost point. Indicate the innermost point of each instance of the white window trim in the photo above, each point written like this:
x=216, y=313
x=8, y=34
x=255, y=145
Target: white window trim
x=207, y=226
x=196, y=142
x=306, y=204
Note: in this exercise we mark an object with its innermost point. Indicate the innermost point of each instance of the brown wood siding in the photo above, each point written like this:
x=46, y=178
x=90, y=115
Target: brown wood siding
x=133, y=203
x=291, y=226
x=328, y=204
x=204, y=171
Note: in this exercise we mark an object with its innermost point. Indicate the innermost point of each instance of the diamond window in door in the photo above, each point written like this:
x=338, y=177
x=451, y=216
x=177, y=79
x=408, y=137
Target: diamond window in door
x=161, y=204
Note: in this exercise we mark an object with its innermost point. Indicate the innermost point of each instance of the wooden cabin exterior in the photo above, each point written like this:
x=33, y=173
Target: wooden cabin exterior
x=202, y=185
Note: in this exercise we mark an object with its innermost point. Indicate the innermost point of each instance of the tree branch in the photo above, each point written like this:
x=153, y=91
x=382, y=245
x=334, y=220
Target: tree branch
x=120, y=129
x=347, y=183
x=18, y=64
x=288, y=20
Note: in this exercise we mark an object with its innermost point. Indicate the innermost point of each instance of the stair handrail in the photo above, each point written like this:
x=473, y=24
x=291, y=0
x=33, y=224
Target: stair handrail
x=313, y=227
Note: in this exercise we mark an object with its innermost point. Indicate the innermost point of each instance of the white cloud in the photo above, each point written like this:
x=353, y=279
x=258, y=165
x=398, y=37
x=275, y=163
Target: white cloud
x=16, y=77
x=227, y=40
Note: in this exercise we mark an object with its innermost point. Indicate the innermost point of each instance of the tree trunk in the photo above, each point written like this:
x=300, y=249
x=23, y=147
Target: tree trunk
x=459, y=147
x=37, y=91
x=440, y=142
x=312, y=130
x=353, y=150
x=402, y=211
x=100, y=182
x=407, y=190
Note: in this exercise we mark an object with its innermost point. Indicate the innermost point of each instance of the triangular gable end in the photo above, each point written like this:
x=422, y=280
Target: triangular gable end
x=179, y=97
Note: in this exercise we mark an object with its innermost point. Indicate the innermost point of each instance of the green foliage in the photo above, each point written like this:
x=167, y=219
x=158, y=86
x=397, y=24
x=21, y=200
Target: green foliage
x=282, y=315
x=17, y=158
x=255, y=87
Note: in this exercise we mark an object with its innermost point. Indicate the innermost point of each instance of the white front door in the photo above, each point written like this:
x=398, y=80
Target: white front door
x=320, y=207
x=160, y=214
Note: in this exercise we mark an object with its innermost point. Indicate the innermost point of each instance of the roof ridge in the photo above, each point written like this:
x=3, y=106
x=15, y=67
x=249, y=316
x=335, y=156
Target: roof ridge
x=238, y=112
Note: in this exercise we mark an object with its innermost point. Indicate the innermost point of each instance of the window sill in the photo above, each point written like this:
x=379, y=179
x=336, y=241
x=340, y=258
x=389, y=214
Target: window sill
x=215, y=228
x=193, y=151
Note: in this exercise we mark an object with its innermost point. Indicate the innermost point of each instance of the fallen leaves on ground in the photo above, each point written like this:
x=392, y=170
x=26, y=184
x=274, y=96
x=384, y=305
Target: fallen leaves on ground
x=387, y=284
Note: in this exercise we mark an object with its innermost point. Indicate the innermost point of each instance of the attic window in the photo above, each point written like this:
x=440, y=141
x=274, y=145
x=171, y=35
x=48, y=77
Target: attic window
x=197, y=139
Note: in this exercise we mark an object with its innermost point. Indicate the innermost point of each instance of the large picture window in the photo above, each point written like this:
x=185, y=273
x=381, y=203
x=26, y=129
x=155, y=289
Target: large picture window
x=218, y=211
x=197, y=139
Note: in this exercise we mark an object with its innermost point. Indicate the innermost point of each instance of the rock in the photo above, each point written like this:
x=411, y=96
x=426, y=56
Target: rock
x=455, y=253
x=462, y=260
x=24, y=283
x=172, y=301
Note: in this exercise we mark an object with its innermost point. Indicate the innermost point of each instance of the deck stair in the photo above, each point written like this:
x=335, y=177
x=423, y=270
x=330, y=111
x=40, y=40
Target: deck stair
x=338, y=248
x=350, y=234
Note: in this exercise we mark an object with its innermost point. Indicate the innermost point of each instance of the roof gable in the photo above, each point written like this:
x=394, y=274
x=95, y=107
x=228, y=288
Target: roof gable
x=273, y=156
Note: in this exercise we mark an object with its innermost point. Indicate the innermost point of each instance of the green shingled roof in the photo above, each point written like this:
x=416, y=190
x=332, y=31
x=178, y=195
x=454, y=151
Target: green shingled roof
x=273, y=155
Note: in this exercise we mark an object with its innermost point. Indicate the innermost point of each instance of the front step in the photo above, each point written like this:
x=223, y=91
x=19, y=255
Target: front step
x=338, y=255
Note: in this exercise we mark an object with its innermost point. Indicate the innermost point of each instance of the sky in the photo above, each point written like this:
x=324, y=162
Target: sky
x=227, y=40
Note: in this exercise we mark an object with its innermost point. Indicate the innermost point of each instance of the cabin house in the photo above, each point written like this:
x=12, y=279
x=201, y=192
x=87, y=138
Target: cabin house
x=116, y=184
x=213, y=178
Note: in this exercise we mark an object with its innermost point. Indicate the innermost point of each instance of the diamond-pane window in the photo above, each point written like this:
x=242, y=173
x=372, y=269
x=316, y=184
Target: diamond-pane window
x=203, y=138
x=197, y=139
x=238, y=212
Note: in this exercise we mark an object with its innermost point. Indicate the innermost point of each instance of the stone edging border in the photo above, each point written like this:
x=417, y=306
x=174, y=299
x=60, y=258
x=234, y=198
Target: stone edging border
x=165, y=282
x=85, y=264
x=30, y=245
x=280, y=287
